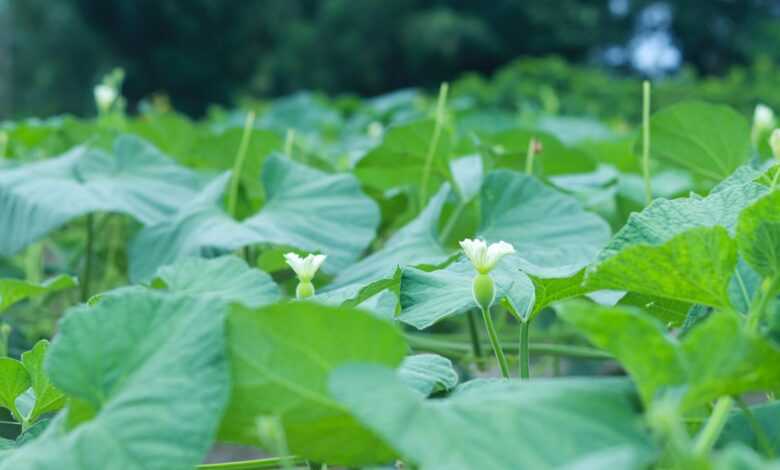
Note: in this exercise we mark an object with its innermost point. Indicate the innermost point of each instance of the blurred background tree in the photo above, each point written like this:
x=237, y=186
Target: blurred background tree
x=200, y=52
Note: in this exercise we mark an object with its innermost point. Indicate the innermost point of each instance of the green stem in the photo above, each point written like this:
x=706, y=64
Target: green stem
x=238, y=165
x=276, y=462
x=502, y=363
x=756, y=314
x=524, y=355
x=434, y=143
x=646, y=141
x=476, y=347
x=529, y=157
x=774, y=179
x=88, y=254
x=711, y=431
x=289, y=141
x=425, y=342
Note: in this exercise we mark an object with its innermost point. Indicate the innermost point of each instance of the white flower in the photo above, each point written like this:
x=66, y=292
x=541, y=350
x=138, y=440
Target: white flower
x=305, y=268
x=763, y=117
x=774, y=142
x=484, y=257
x=105, y=95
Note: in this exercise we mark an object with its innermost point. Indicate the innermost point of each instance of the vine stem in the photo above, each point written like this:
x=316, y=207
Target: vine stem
x=491, y=329
x=524, y=353
x=646, y=141
x=476, y=347
x=711, y=431
x=757, y=428
x=768, y=289
x=434, y=144
x=257, y=464
x=238, y=165
x=88, y=255
x=424, y=342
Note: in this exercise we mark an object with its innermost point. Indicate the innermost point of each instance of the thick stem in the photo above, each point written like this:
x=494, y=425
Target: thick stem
x=524, y=355
x=434, y=143
x=238, y=165
x=502, y=363
x=476, y=347
x=88, y=255
x=711, y=431
x=646, y=141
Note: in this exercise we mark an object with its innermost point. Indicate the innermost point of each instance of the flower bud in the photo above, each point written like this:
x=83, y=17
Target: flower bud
x=484, y=291
x=774, y=143
x=763, y=122
x=105, y=96
x=304, y=290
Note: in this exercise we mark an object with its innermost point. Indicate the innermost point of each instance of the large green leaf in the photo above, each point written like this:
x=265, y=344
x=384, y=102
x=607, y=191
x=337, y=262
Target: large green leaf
x=150, y=398
x=136, y=180
x=227, y=278
x=281, y=357
x=680, y=249
x=400, y=159
x=16, y=290
x=550, y=231
x=429, y=297
x=493, y=424
x=718, y=357
x=709, y=140
x=758, y=235
x=305, y=208
x=417, y=243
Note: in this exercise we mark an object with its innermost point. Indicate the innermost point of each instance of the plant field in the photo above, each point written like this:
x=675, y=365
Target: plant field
x=408, y=281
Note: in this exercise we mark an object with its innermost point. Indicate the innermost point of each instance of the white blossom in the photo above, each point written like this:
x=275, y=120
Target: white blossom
x=305, y=268
x=484, y=257
x=105, y=95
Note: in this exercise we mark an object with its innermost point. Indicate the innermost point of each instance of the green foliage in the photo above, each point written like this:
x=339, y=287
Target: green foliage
x=211, y=349
x=285, y=354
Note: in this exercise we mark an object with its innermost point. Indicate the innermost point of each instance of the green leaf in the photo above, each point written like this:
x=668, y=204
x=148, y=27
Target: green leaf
x=550, y=290
x=638, y=341
x=16, y=290
x=137, y=180
x=47, y=397
x=709, y=140
x=510, y=149
x=305, y=208
x=760, y=430
x=417, y=243
x=694, y=266
x=758, y=235
x=428, y=373
x=227, y=278
x=671, y=312
x=679, y=249
x=401, y=158
x=550, y=231
x=492, y=424
x=281, y=357
x=150, y=398
x=14, y=381
x=719, y=357
x=429, y=297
